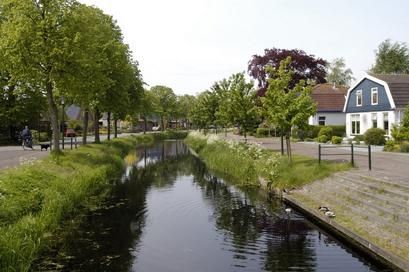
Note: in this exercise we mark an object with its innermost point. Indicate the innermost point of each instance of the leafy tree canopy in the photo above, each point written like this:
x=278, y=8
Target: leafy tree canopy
x=391, y=58
x=305, y=67
x=338, y=73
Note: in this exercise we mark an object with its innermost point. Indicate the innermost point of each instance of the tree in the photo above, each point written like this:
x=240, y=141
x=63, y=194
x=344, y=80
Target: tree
x=287, y=105
x=243, y=109
x=184, y=106
x=305, y=67
x=34, y=46
x=204, y=110
x=338, y=73
x=391, y=58
x=164, y=102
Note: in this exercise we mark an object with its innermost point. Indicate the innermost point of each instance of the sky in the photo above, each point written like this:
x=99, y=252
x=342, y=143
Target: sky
x=190, y=44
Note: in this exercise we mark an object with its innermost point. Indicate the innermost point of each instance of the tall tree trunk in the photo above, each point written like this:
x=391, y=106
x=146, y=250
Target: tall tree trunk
x=115, y=128
x=85, y=126
x=52, y=107
x=163, y=123
x=109, y=126
x=96, y=126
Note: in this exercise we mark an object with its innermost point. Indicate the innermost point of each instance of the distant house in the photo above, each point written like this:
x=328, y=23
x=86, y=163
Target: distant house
x=376, y=101
x=330, y=101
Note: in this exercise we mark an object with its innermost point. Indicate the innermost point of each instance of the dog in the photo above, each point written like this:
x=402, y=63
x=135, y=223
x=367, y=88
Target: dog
x=44, y=146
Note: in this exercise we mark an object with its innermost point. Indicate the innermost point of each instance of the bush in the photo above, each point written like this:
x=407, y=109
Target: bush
x=358, y=139
x=374, y=136
x=327, y=131
x=391, y=146
x=404, y=147
x=263, y=132
x=338, y=131
x=322, y=139
x=336, y=139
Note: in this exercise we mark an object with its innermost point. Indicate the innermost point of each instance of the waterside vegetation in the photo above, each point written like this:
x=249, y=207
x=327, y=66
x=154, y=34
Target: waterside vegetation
x=251, y=165
x=36, y=198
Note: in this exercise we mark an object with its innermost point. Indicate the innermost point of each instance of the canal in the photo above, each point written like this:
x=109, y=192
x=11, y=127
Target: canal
x=170, y=213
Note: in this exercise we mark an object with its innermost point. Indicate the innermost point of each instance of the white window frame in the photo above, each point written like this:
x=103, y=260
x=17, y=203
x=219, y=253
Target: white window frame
x=325, y=120
x=374, y=117
x=386, y=120
x=358, y=94
x=374, y=91
x=354, y=119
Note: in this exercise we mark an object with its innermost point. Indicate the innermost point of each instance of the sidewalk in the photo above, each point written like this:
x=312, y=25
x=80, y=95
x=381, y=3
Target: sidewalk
x=384, y=164
x=12, y=156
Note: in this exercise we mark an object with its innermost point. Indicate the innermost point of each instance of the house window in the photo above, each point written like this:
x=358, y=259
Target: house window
x=374, y=120
x=359, y=98
x=321, y=120
x=355, y=124
x=374, y=96
x=386, y=122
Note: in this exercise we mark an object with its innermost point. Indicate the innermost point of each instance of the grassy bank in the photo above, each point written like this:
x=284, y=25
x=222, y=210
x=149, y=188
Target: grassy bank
x=37, y=197
x=248, y=164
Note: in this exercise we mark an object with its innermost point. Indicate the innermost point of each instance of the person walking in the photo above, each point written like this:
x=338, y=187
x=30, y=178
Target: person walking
x=27, y=138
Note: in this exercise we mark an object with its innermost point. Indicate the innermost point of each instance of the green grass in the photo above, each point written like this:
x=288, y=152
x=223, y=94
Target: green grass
x=35, y=199
x=304, y=170
x=247, y=170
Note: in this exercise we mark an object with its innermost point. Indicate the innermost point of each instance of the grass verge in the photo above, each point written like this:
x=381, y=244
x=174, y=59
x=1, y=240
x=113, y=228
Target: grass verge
x=37, y=197
x=248, y=164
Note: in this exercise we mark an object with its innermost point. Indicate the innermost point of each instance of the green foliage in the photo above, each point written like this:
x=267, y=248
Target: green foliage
x=327, y=131
x=285, y=106
x=358, y=138
x=374, y=136
x=338, y=73
x=391, y=58
x=404, y=147
x=241, y=162
x=336, y=140
x=247, y=163
x=242, y=104
x=322, y=139
x=37, y=197
x=164, y=103
x=263, y=132
x=391, y=146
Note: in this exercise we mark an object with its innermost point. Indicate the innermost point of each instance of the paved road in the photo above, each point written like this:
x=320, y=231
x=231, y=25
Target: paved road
x=385, y=164
x=12, y=156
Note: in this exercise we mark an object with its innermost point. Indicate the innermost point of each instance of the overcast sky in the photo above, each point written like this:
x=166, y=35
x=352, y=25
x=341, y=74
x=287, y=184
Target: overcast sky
x=189, y=44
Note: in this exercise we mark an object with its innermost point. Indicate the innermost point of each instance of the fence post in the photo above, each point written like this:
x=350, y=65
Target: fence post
x=71, y=143
x=352, y=155
x=319, y=154
x=369, y=158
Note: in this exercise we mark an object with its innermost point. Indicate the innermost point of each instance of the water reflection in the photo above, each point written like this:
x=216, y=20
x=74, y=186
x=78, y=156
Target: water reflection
x=169, y=213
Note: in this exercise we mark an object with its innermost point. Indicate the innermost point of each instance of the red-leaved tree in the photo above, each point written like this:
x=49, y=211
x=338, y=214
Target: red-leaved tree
x=305, y=67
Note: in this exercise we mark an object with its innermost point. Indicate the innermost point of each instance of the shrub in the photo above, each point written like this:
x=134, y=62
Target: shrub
x=404, y=147
x=338, y=131
x=374, y=136
x=336, y=139
x=263, y=132
x=358, y=139
x=391, y=146
x=327, y=131
x=322, y=139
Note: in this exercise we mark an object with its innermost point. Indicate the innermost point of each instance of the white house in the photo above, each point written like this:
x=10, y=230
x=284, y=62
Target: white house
x=330, y=100
x=376, y=101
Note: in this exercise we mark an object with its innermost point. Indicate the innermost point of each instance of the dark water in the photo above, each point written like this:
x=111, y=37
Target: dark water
x=169, y=213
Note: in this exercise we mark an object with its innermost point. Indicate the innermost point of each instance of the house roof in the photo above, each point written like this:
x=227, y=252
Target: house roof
x=399, y=87
x=329, y=98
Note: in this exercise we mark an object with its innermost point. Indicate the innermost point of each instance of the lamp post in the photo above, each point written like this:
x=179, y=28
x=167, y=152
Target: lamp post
x=62, y=120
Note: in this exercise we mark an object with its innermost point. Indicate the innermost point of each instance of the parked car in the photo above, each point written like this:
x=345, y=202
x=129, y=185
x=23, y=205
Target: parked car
x=156, y=128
